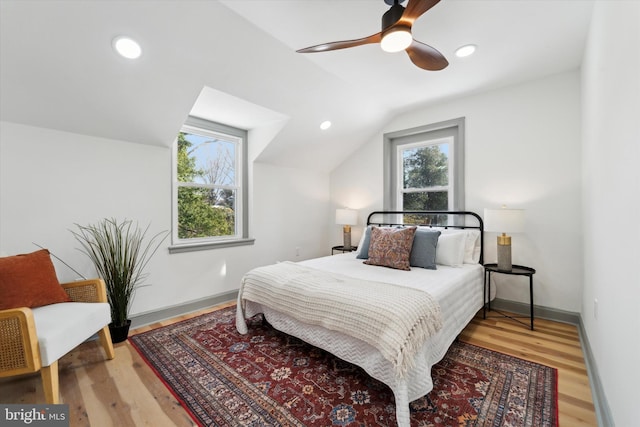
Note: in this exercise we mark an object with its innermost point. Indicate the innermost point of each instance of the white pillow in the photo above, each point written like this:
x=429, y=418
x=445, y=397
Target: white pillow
x=472, y=242
x=450, y=249
x=472, y=247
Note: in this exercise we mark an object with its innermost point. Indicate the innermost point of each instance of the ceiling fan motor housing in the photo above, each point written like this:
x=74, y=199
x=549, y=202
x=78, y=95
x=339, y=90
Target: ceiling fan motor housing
x=392, y=16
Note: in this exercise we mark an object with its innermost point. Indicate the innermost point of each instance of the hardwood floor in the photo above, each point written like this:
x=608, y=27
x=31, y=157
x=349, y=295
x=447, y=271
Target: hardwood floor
x=126, y=392
x=552, y=344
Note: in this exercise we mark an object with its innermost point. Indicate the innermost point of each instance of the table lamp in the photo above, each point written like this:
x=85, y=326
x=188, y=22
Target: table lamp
x=504, y=221
x=346, y=218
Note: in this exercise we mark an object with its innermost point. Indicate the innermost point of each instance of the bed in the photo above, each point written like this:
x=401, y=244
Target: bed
x=454, y=283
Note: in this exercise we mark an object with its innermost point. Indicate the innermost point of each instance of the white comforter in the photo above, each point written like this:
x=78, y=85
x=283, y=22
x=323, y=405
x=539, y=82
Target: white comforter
x=458, y=291
x=394, y=319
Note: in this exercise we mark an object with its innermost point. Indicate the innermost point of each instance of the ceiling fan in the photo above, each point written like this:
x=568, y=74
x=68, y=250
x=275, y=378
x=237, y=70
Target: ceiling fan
x=396, y=35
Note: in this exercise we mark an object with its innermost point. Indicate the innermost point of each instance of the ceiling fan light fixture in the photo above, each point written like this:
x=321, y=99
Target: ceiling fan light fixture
x=396, y=39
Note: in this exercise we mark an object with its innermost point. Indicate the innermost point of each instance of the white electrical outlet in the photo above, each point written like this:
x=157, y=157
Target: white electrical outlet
x=595, y=308
x=297, y=251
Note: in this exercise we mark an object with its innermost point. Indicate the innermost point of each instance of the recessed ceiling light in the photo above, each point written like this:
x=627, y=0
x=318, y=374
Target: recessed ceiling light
x=325, y=125
x=127, y=47
x=465, y=50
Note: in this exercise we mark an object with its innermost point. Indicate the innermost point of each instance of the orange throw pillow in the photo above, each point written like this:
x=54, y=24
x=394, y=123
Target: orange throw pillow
x=29, y=280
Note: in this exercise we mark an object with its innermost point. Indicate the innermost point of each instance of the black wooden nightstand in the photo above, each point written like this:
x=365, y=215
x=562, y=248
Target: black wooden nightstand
x=517, y=270
x=342, y=249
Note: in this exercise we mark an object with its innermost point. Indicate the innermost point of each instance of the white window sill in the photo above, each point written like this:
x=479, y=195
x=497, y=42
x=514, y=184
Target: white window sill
x=191, y=247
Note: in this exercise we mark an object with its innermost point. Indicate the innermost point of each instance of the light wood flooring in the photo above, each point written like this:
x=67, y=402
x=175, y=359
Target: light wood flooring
x=125, y=391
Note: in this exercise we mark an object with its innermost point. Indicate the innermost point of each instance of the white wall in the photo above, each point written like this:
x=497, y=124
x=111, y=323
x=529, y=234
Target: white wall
x=611, y=193
x=50, y=180
x=290, y=214
x=523, y=150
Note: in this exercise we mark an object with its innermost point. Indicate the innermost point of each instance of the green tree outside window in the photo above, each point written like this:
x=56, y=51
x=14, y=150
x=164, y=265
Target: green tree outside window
x=203, y=210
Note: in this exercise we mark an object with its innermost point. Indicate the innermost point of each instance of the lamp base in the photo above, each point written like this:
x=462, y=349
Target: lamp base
x=346, y=237
x=504, y=255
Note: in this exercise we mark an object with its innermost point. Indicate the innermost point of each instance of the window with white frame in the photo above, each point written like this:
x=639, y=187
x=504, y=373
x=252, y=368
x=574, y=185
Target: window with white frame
x=424, y=168
x=209, y=196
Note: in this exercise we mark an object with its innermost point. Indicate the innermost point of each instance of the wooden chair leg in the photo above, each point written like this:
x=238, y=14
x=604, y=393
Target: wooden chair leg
x=50, y=383
x=105, y=340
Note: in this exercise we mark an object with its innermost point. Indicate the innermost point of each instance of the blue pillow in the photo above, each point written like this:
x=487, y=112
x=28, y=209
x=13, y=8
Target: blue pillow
x=423, y=252
x=363, y=250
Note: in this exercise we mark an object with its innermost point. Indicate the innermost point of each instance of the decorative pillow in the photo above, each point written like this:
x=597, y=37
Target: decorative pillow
x=472, y=244
x=391, y=247
x=363, y=246
x=450, y=249
x=29, y=280
x=472, y=247
x=423, y=252
x=365, y=242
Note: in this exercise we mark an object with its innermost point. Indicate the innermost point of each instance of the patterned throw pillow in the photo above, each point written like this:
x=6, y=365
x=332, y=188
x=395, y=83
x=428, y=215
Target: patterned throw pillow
x=391, y=247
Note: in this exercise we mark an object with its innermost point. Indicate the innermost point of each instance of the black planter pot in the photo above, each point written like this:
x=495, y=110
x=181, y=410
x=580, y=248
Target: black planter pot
x=119, y=333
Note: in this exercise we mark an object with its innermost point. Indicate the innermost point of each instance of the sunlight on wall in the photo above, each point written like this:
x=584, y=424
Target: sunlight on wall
x=223, y=269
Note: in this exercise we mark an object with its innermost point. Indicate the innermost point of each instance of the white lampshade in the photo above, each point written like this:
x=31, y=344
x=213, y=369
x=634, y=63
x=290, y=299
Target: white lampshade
x=504, y=220
x=346, y=216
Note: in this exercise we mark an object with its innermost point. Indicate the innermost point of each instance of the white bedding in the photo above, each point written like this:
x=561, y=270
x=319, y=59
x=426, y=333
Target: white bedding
x=458, y=290
x=394, y=319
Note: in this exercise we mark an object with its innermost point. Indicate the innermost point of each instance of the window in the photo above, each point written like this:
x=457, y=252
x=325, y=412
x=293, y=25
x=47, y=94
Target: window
x=209, y=191
x=424, y=167
x=424, y=172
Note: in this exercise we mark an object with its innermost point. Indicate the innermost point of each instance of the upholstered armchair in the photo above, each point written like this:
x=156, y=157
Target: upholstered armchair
x=33, y=339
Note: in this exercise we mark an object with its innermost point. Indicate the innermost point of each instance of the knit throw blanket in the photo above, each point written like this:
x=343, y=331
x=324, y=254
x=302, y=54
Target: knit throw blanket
x=396, y=320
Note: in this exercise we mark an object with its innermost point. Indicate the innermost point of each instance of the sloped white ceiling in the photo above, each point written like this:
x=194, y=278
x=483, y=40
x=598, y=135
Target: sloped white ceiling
x=58, y=70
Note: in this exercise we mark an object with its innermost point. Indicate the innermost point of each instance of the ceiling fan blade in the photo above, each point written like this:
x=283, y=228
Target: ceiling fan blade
x=415, y=9
x=426, y=57
x=375, y=38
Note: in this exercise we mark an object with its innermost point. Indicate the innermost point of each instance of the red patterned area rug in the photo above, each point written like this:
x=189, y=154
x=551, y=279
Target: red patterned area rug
x=267, y=378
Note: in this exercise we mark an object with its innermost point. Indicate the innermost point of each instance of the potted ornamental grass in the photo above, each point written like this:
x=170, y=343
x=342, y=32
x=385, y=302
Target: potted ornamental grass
x=120, y=252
